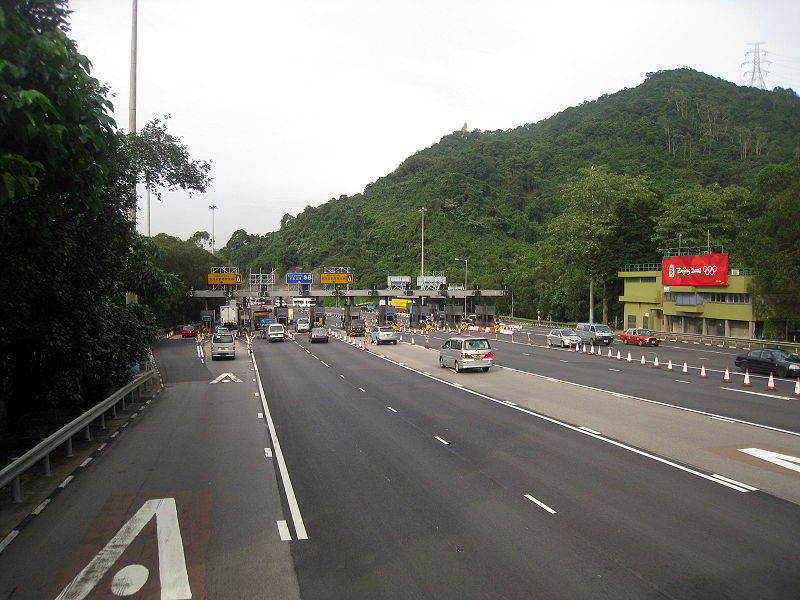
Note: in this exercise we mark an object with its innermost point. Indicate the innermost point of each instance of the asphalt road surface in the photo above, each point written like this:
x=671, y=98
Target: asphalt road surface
x=331, y=471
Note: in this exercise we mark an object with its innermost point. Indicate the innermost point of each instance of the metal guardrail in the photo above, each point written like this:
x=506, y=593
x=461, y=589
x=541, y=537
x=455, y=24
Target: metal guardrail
x=41, y=452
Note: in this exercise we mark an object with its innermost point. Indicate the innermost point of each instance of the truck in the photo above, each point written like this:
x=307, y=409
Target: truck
x=229, y=315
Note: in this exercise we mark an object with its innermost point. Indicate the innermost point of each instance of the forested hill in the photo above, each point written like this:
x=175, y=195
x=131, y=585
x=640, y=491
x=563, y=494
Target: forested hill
x=492, y=196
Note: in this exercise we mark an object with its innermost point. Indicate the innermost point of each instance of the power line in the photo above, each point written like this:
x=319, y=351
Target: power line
x=756, y=73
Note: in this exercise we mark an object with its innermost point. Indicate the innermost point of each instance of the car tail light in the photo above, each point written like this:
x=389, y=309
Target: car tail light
x=212, y=346
x=490, y=355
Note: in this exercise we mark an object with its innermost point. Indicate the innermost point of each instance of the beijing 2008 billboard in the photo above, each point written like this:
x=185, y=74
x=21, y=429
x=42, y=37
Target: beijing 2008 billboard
x=695, y=269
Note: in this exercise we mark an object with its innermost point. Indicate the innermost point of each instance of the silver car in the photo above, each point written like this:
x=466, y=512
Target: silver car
x=383, y=335
x=465, y=352
x=563, y=338
x=223, y=346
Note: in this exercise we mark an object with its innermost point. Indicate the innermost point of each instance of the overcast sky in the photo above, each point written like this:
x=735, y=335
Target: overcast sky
x=299, y=101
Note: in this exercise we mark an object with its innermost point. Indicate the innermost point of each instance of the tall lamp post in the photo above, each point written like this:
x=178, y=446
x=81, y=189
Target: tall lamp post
x=422, y=257
x=213, y=207
x=465, y=285
x=512, y=297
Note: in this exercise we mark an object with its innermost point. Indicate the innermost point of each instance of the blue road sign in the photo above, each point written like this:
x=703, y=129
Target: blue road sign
x=299, y=278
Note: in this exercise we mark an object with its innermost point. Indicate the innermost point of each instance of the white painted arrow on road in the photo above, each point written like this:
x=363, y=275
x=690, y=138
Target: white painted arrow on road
x=222, y=379
x=787, y=461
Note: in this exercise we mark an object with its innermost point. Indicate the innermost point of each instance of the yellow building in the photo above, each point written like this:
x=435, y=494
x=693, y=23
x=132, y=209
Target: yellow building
x=709, y=310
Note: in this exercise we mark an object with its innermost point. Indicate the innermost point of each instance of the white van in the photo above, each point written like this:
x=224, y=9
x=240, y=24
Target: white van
x=302, y=324
x=276, y=332
x=461, y=353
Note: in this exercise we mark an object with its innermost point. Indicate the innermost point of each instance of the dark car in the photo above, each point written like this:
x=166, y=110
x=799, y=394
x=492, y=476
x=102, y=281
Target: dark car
x=770, y=360
x=188, y=331
x=355, y=327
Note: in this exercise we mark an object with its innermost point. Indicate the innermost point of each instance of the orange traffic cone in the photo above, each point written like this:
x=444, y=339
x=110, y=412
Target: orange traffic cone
x=655, y=363
x=747, y=377
x=770, y=382
x=669, y=365
x=703, y=371
x=619, y=356
x=685, y=369
x=727, y=378
x=609, y=353
x=797, y=387
x=643, y=361
x=591, y=351
x=629, y=357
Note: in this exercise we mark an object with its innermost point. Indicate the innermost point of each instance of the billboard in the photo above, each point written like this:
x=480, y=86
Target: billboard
x=695, y=269
x=299, y=278
x=336, y=278
x=224, y=278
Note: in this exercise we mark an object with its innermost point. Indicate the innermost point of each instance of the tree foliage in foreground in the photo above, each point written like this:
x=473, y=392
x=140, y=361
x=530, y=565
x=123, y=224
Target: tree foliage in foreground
x=69, y=250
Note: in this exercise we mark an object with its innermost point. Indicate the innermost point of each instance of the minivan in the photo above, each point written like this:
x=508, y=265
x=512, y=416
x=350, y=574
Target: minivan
x=595, y=333
x=223, y=346
x=465, y=352
x=355, y=327
x=302, y=324
x=276, y=332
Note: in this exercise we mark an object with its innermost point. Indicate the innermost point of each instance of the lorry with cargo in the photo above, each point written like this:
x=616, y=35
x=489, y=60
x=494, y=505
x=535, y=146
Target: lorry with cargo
x=229, y=315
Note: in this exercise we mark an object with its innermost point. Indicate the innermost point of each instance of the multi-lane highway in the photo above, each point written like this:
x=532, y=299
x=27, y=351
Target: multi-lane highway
x=331, y=471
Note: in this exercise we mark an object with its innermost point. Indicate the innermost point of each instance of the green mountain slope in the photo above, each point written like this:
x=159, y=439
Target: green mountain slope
x=491, y=195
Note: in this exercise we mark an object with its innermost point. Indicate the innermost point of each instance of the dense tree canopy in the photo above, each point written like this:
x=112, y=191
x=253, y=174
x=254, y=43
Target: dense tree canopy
x=69, y=250
x=678, y=158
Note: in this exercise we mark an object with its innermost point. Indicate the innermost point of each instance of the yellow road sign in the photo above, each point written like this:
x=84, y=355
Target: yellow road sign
x=336, y=278
x=224, y=278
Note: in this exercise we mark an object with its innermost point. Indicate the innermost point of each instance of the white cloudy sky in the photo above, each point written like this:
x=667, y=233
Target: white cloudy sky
x=299, y=101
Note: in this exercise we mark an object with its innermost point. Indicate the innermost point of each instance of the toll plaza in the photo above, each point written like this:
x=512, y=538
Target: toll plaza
x=282, y=315
x=484, y=315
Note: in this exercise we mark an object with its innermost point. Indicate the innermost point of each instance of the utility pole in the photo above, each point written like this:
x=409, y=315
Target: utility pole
x=755, y=72
x=130, y=297
x=213, y=207
x=422, y=259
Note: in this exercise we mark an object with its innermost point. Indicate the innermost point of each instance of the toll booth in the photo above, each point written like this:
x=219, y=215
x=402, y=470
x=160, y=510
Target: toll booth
x=484, y=315
x=385, y=314
x=350, y=312
x=282, y=315
x=319, y=318
x=418, y=315
x=454, y=314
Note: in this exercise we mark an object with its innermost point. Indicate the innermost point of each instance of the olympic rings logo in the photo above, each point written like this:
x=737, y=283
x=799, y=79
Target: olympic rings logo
x=709, y=269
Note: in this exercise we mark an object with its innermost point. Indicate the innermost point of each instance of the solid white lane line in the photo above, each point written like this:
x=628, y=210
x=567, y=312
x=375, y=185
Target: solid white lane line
x=291, y=499
x=445, y=442
x=268, y=452
x=458, y=385
x=590, y=430
x=755, y=394
x=601, y=437
x=391, y=409
x=542, y=504
x=723, y=419
x=509, y=402
x=283, y=531
x=734, y=482
x=326, y=364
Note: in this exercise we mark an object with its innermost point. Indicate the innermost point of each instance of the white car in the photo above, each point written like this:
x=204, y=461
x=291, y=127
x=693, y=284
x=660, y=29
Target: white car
x=563, y=337
x=276, y=332
x=302, y=325
x=461, y=353
x=383, y=335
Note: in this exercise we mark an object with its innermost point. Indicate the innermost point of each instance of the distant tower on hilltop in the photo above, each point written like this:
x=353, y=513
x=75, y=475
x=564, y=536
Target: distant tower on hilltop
x=464, y=130
x=755, y=72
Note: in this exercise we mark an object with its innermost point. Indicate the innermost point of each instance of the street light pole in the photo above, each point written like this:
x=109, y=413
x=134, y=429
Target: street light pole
x=213, y=208
x=422, y=258
x=465, y=285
